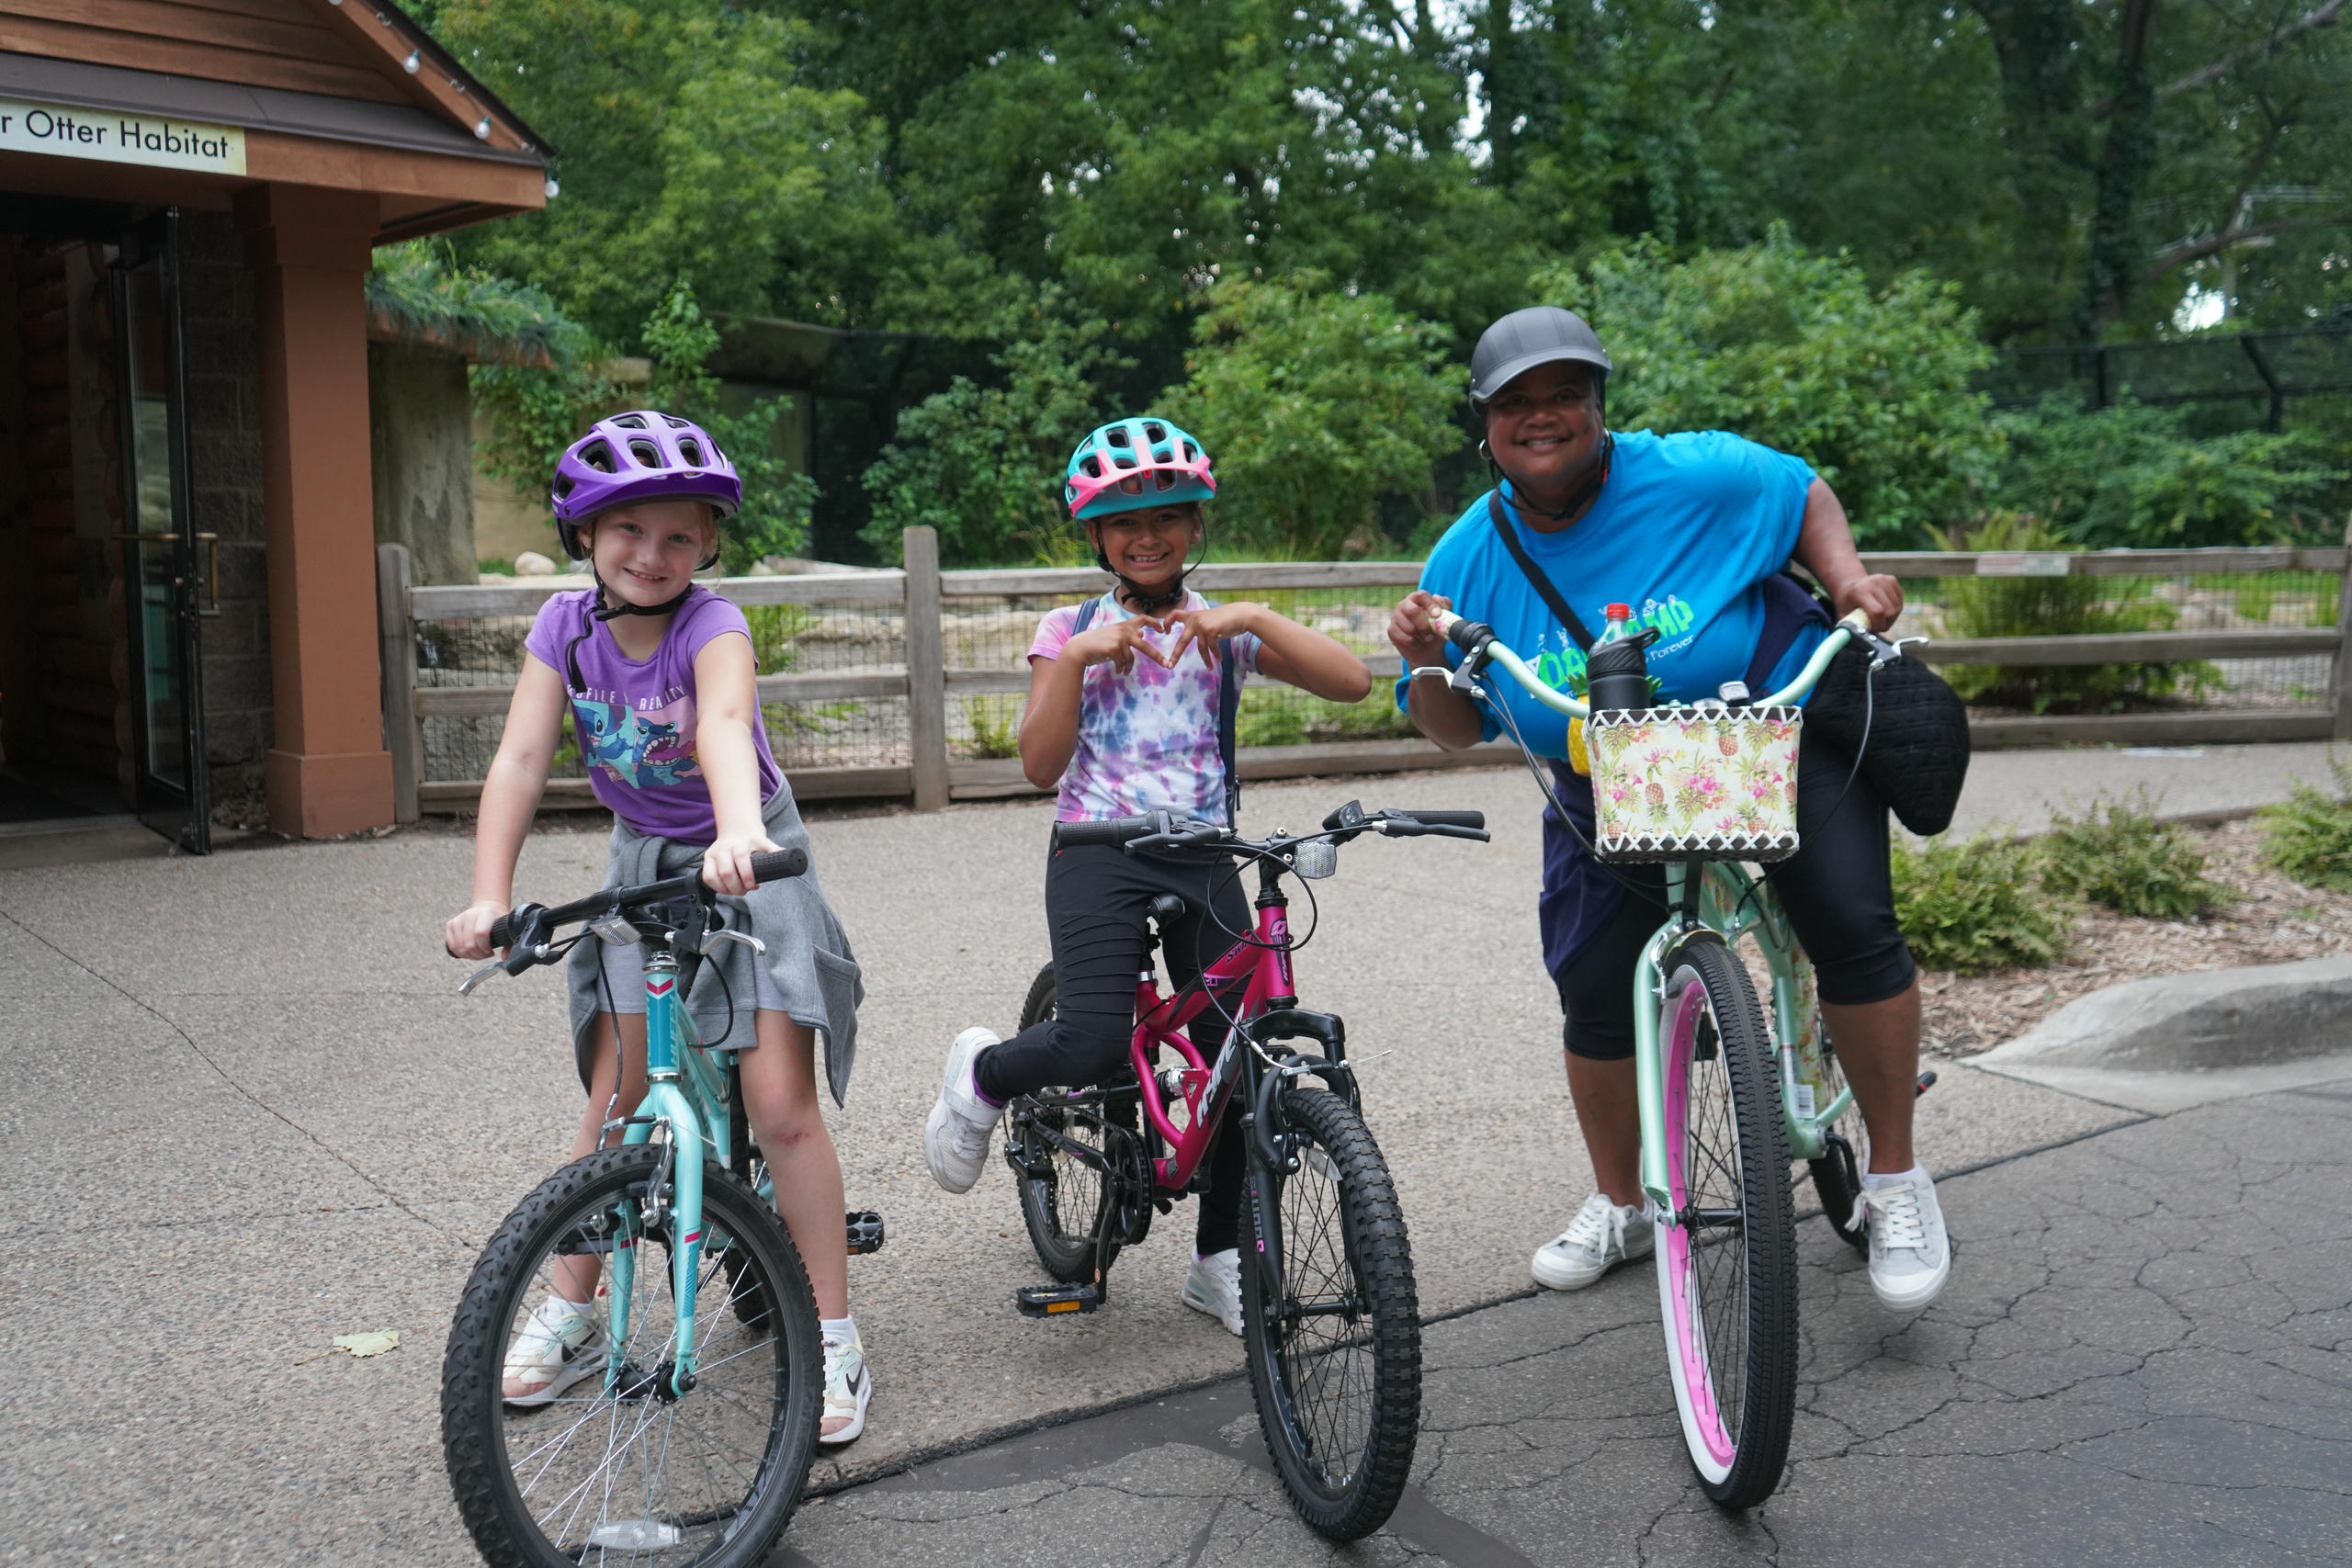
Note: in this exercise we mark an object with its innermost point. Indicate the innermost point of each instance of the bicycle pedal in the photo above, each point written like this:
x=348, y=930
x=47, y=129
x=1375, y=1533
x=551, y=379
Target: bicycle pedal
x=1046, y=1300
x=865, y=1232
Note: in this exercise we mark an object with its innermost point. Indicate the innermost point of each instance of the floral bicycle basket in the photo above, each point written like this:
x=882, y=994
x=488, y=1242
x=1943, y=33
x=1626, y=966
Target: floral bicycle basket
x=1674, y=784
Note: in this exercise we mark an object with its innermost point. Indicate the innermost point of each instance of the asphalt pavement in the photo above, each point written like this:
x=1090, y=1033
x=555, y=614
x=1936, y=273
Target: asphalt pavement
x=251, y=1113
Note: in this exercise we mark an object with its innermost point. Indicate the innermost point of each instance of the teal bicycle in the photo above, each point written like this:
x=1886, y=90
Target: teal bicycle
x=1725, y=1102
x=684, y=1406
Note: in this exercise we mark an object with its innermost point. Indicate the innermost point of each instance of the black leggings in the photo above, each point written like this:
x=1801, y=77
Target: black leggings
x=1836, y=889
x=1096, y=899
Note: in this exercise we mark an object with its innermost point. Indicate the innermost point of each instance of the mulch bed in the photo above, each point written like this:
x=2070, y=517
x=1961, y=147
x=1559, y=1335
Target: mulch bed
x=2275, y=921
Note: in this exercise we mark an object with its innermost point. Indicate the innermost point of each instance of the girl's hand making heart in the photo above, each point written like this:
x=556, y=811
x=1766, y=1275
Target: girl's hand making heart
x=1205, y=628
x=1117, y=643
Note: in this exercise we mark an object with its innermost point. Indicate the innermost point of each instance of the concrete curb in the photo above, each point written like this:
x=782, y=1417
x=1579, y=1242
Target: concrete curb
x=2175, y=1041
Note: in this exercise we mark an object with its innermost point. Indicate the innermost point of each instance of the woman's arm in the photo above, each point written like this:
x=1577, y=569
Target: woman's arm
x=1826, y=548
x=1287, y=652
x=1437, y=710
x=727, y=704
x=510, y=797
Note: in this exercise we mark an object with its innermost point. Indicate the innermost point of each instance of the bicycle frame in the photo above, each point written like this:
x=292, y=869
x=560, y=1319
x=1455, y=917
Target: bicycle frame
x=1734, y=905
x=683, y=1092
x=1264, y=964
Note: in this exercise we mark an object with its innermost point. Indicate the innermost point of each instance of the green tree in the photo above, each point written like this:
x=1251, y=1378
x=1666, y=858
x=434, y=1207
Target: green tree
x=985, y=465
x=1314, y=403
x=1798, y=352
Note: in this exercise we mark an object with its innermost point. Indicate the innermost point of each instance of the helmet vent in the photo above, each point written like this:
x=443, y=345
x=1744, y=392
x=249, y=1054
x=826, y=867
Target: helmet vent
x=677, y=423
x=599, y=456
x=1119, y=438
x=630, y=421
x=1155, y=433
x=563, y=485
x=648, y=453
x=1131, y=485
x=690, y=450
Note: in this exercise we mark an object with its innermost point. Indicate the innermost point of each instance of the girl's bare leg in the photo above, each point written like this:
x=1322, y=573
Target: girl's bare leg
x=780, y=1101
x=576, y=1278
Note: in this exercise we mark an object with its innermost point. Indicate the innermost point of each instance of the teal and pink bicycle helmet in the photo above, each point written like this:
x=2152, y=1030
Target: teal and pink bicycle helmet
x=644, y=455
x=1133, y=463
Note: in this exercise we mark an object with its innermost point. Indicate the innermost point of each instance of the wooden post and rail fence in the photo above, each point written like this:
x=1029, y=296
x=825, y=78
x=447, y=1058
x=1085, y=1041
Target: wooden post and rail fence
x=932, y=777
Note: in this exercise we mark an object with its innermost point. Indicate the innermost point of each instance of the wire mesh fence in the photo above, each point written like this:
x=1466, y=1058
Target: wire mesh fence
x=2139, y=646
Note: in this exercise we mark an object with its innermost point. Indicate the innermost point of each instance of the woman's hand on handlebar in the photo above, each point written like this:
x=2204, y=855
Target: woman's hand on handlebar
x=1877, y=595
x=727, y=864
x=467, y=933
x=1413, y=629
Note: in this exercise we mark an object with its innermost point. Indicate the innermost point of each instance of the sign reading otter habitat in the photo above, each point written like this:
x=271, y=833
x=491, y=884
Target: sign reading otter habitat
x=111, y=136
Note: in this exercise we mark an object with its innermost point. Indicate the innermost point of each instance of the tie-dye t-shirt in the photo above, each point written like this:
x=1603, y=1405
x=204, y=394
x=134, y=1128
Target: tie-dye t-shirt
x=1147, y=740
x=635, y=720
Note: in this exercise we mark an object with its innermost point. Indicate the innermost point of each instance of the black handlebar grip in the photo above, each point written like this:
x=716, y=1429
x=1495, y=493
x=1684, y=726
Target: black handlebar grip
x=1470, y=635
x=1448, y=818
x=774, y=865
x=502, y=930
x=1114, y=831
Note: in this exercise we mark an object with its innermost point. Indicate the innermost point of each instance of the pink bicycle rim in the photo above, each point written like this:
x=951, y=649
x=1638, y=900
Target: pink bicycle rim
x=1688, y=1333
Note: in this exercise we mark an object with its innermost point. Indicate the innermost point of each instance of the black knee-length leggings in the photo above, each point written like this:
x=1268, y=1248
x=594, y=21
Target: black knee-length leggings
x=1096, y=904
x=1836, y=889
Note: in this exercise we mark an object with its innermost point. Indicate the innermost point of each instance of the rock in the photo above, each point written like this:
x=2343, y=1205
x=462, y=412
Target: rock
x=2179, y=1040
x=530, y=563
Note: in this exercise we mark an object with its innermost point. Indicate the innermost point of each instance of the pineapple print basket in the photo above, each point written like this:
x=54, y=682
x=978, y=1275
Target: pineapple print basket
x=1674, y=784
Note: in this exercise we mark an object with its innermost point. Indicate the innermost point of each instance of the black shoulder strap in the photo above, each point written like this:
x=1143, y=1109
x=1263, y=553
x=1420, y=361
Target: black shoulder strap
x=1085, y=616
x=1228, y=714
x=1541, y=584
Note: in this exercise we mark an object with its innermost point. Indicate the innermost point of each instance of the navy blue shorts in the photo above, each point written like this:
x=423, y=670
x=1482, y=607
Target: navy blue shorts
x=1838, y=891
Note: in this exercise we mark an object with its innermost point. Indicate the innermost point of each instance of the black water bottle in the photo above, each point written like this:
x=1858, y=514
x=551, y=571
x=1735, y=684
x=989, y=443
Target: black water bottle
x=1617, y=675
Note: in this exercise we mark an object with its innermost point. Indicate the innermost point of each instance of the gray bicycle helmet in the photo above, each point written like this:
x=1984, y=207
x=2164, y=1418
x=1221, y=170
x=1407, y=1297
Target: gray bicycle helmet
x=1541, y=334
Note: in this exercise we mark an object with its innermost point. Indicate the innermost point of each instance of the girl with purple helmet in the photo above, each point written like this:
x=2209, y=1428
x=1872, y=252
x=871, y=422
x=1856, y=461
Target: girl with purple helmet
x=659, y=675
x=1124, y=697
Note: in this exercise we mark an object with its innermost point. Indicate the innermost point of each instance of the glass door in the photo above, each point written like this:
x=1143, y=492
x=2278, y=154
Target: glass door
x=160, y=540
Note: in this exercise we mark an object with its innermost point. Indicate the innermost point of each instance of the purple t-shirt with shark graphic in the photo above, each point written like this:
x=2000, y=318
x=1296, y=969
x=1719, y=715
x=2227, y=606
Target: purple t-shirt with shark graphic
x=635, y=720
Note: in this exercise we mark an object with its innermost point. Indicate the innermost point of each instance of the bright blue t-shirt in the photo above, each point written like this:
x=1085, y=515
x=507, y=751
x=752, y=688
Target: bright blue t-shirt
x=1687, y=529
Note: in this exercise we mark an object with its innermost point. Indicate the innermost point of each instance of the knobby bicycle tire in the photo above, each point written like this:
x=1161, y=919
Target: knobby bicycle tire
x=1727, y=1276
x=713, y=1430
x=1343, y=1233
x=1063, y=1241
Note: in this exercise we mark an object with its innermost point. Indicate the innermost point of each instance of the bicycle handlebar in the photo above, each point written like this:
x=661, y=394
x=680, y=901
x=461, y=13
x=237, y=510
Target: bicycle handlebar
x=767, y=865
x=1166, y=830
x=1478, y=640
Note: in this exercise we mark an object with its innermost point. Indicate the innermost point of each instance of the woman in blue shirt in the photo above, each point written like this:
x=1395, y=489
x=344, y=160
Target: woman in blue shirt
x=1691, y=531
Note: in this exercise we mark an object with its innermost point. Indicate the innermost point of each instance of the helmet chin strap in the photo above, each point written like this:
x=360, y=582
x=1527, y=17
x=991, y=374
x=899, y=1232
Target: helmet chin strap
x=1142, y=599
x=1595, y=474
x=613, y=611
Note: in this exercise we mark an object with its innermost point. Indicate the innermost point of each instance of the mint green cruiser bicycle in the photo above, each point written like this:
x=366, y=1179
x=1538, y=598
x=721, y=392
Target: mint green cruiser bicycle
x=1726, y=1102
x=684, y=1413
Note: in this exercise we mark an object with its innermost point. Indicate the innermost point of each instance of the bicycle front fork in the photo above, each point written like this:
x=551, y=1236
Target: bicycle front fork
x=667, y=1105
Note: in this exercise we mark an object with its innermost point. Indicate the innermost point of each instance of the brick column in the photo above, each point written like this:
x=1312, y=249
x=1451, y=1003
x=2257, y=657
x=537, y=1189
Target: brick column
x=308, y=250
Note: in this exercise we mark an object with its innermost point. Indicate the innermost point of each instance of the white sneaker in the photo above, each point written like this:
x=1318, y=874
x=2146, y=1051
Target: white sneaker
x=1602, y=1237
x=849, y=1385
x=1910, y=1251
x=1214, y=1286
x=957, y=1136
x=556, y=1349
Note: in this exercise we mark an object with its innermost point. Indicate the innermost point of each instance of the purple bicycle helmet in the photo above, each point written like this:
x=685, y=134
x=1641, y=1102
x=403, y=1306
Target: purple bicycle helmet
x=644, y=455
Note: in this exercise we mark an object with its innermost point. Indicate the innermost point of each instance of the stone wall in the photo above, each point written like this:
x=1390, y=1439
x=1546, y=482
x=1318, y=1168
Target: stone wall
x=420, y=425
x=225, y=470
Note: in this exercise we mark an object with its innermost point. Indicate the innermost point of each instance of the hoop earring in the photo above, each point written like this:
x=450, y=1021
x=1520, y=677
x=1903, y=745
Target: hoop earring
x=1486, y=452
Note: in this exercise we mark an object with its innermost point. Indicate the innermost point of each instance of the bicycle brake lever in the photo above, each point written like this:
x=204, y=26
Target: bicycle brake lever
x=478, y=976
x=714, y=938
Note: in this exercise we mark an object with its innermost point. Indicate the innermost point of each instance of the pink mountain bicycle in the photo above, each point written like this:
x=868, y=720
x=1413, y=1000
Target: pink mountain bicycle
x=1330, y=1321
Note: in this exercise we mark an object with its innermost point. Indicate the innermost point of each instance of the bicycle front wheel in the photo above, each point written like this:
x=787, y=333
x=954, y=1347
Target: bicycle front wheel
x=595, y=1457
x=1726, y=1263
x=1335, y=1363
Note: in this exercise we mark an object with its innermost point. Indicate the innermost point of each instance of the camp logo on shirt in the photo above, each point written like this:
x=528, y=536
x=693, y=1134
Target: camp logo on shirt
x=643, y=750
x=1562, y=669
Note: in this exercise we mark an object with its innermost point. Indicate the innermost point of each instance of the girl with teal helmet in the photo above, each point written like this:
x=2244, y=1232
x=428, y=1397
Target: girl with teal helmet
x=1130, y=699
x=1132, y=464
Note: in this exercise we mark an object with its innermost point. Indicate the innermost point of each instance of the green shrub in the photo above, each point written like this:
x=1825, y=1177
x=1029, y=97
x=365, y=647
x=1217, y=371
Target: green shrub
x=1977, y=906
x=2309, y=835
x=1270, y=717
x=1797, y=351
x=996, y=725
x=2118, y=854
x=2130, y=475
x=2045, y=606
